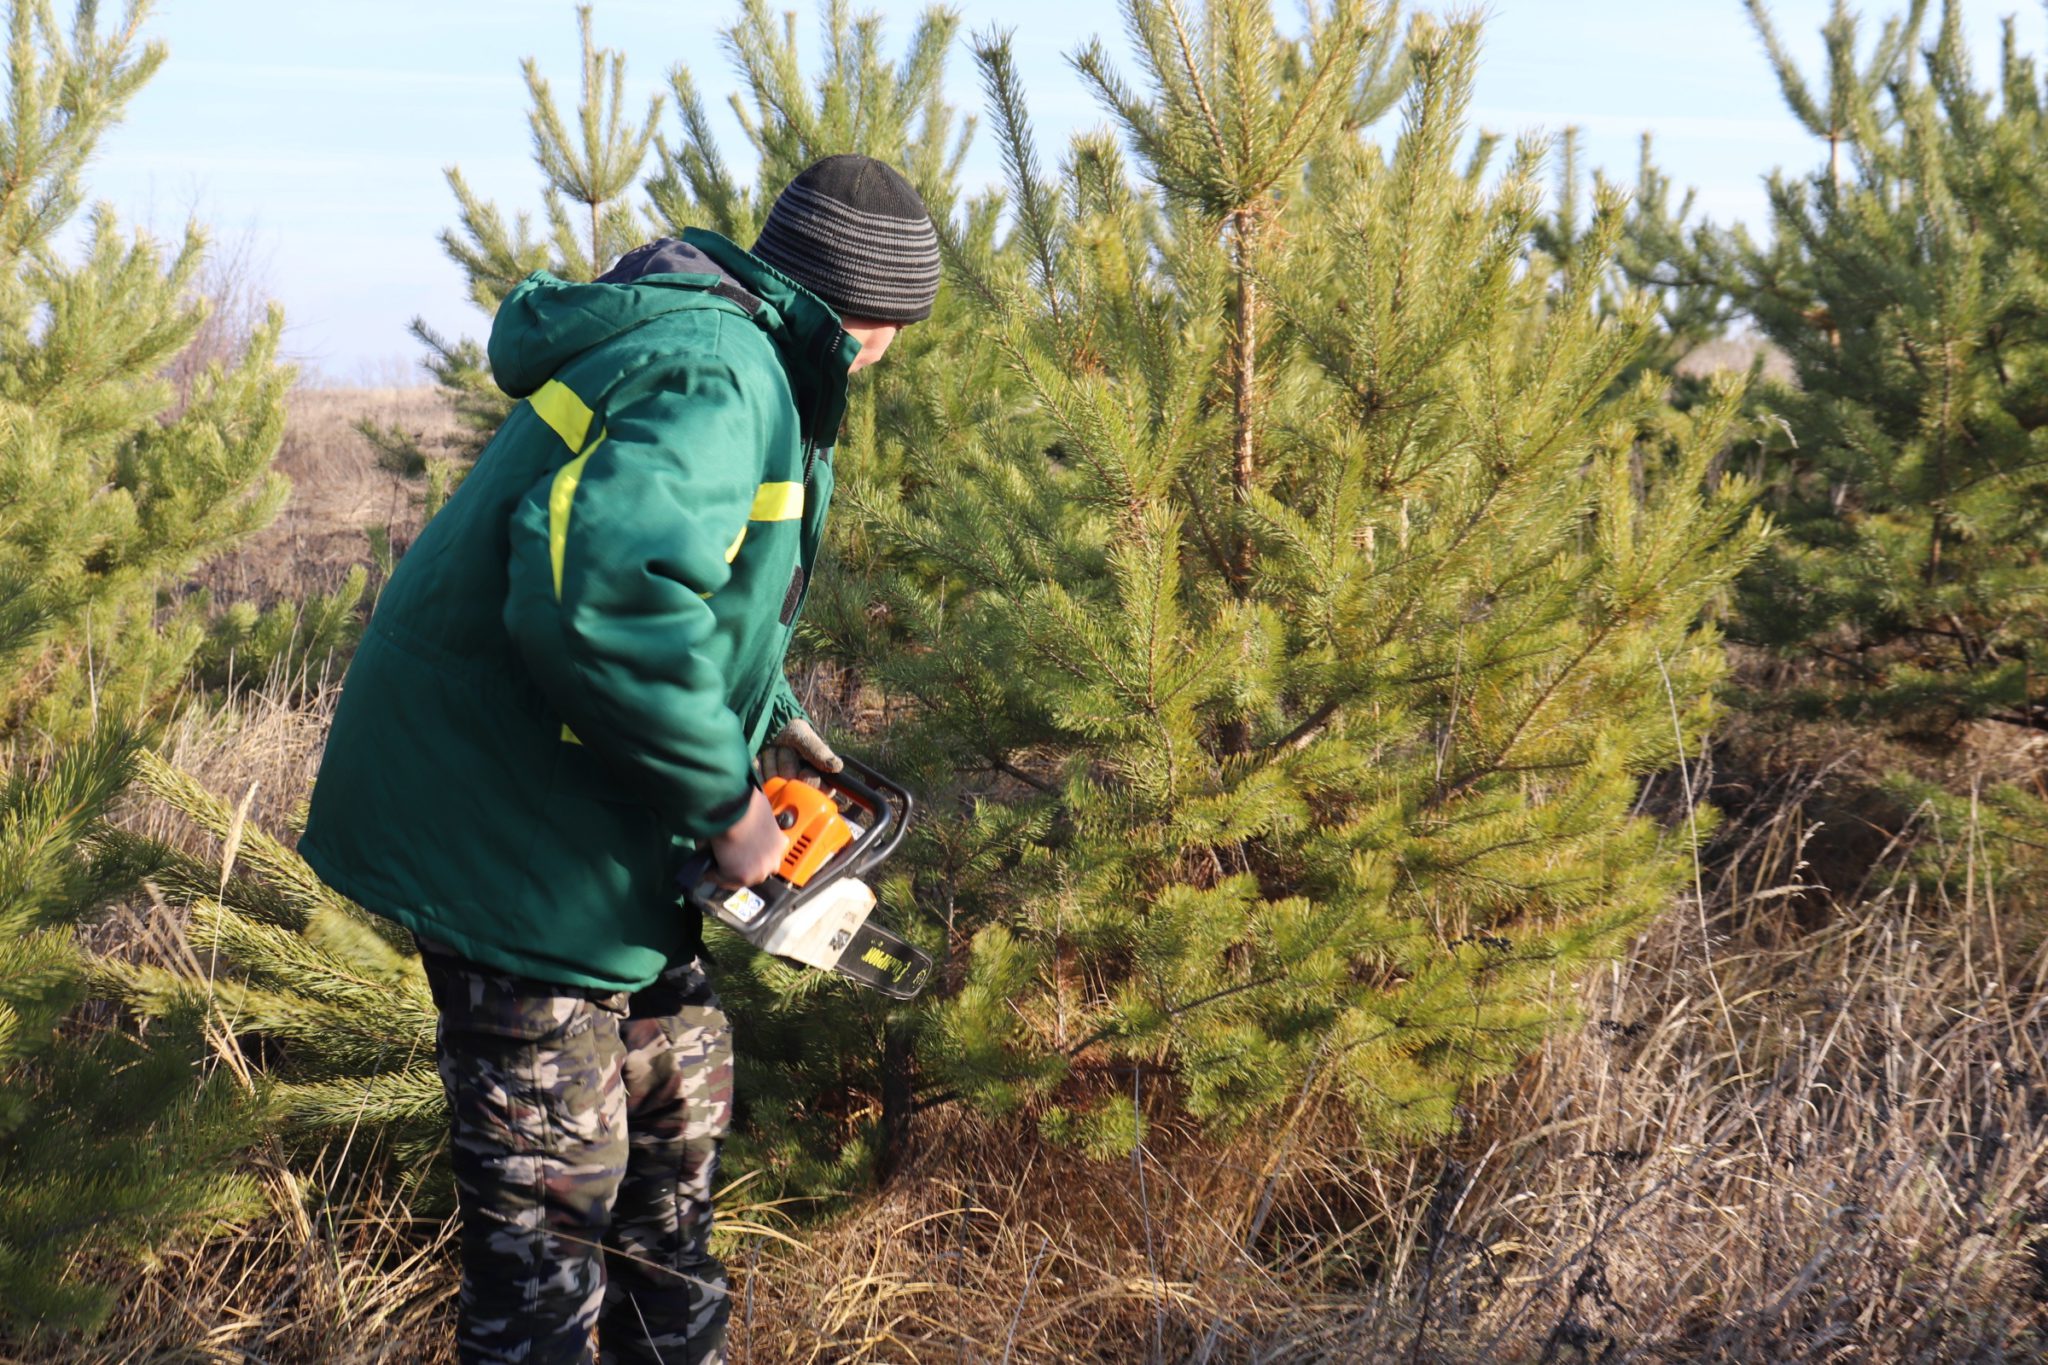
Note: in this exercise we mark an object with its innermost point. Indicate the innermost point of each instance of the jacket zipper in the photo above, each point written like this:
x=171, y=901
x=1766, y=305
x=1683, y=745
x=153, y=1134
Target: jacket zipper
x=817, y=411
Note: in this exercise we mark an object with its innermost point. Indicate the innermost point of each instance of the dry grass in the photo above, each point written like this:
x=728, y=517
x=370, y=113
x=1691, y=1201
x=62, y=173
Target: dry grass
x=339, y=492
x=1813, y=1146
x=1773, y=1143
x=264, y=748
x=1796, y=1127
x=342, y=1275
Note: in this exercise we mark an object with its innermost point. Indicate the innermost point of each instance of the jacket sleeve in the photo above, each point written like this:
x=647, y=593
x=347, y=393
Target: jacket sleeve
x=612, y=560
x=783, y=707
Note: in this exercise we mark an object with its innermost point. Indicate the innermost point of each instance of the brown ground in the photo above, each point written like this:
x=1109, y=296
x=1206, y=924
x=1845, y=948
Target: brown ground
x=339, y=492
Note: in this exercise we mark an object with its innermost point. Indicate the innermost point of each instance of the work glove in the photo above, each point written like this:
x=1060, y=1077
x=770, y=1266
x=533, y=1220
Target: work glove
x=798, y=751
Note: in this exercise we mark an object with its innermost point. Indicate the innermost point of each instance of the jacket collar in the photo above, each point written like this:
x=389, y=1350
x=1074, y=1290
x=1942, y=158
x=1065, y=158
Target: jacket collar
x=817, y=352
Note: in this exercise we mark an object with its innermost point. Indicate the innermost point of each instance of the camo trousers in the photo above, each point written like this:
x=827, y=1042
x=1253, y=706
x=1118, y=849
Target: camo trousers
x=585, y=1129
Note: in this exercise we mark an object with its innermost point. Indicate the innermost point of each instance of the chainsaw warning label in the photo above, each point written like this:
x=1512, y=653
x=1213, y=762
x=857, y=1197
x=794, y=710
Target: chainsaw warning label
x=743, y=905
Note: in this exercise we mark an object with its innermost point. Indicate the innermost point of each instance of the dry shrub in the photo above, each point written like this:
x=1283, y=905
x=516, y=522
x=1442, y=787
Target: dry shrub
x=234, y=286
x=1770, y=1142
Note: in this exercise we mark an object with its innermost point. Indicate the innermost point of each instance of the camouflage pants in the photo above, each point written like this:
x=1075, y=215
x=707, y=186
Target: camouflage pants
x=585, y=1131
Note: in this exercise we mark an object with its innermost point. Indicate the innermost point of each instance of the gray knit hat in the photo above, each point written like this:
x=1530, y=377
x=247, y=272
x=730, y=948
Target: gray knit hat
x=853, y=231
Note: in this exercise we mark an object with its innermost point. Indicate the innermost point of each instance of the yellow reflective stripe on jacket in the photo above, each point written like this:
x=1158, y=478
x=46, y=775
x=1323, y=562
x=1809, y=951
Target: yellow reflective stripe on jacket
x=569, y=416
x=778, y=502
x=561, y=496
x=557, y=404
x=772, y=502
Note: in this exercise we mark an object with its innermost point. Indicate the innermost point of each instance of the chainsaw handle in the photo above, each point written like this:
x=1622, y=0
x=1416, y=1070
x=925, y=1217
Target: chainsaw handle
x=888, y=803
x=699, y=877
x=888, y=806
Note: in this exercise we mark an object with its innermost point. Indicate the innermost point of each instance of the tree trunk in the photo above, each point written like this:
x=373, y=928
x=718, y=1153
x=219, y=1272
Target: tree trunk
x=1235, y=735
x=1244, y=383
x=896, y=1099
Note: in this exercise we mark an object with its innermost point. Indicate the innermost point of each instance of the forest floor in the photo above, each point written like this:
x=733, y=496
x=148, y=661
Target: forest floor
x=1806, y=1118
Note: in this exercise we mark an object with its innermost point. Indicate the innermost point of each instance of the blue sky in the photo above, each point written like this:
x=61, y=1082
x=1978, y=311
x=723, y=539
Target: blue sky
x=317, y=134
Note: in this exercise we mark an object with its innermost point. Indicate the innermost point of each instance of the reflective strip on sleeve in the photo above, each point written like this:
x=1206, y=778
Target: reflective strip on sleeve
x=772, y=502
x=561, y=496
x=778, y=502
x=569, y=416
x=557, y=404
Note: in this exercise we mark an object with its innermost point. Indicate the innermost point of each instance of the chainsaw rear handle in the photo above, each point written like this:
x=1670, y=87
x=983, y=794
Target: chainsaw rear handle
x=877, y=794
x=887, y=806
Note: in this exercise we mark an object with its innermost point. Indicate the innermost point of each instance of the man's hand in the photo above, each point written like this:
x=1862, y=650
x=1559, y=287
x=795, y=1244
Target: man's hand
x=752, y=848
x=797, y=750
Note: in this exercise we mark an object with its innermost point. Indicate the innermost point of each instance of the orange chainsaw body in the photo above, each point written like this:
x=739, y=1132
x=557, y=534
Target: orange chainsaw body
x=811, y=820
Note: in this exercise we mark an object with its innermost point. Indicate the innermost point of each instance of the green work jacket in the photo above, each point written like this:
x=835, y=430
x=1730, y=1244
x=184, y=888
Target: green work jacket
x=566, y=680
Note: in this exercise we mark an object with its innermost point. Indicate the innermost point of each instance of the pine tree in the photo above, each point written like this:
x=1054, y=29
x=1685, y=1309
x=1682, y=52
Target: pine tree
x=105, y=1145
x=1284, y=675
x=330, y=998
x=1693, y=306
x=806, y=1039
x=856, y=103
x=1906, y=470
x=1281, y=596
x=1851, y=113
x=112, y=488
x=585, y=176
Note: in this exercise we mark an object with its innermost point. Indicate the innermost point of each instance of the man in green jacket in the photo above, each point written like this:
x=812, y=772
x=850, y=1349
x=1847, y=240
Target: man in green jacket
x=562, y=695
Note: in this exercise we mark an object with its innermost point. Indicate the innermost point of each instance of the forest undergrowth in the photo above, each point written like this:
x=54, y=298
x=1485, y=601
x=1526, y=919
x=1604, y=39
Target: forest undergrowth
x=1793, y=1127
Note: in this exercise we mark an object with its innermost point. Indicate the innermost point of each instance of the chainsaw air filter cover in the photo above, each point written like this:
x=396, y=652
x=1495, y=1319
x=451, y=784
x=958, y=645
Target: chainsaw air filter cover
x=811, y=821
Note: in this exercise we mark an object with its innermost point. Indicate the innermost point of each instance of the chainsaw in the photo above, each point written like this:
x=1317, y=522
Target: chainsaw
x=814, y=908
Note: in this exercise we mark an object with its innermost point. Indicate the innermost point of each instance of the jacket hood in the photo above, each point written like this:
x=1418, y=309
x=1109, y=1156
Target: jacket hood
x=546, y=322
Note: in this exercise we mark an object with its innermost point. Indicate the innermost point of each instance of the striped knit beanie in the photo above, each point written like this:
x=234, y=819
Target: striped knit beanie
x=853, y=231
